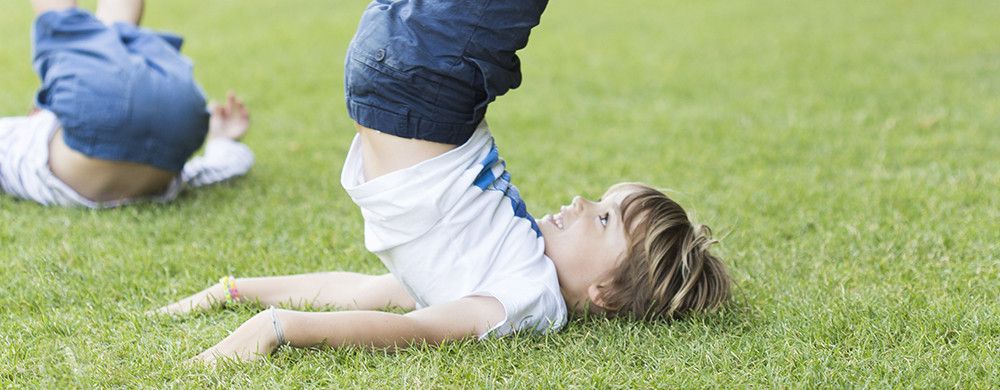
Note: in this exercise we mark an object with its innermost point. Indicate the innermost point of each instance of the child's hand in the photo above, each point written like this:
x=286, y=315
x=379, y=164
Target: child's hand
x=254, y=339
x=203, y=300
x=230, y=120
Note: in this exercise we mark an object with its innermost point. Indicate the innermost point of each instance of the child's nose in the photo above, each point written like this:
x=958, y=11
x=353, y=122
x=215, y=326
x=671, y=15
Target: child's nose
x=578, y=201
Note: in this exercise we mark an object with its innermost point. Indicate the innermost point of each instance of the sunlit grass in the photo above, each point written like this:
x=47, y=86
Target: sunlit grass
x=846, y=151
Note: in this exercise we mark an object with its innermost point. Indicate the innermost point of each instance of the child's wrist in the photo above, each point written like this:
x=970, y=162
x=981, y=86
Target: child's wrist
x=279, y=320
x=266, y=335
x=228, y=292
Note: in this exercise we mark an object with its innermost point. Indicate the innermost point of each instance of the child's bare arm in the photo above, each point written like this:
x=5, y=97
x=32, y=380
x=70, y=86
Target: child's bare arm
x=344, y=290
x=258, y=336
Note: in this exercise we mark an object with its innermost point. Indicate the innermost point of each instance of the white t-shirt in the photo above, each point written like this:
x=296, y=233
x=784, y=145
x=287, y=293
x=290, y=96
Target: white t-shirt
x=25, y=173
x=453, y=226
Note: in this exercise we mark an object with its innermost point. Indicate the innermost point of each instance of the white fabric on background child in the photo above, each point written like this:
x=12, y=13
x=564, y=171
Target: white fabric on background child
x=25, y=173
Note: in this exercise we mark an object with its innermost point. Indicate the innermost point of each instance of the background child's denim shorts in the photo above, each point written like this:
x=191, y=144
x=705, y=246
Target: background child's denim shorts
x=121, y=93
x=428, y=69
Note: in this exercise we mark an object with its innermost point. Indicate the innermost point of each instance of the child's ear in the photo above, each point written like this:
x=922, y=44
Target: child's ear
x=595, y=295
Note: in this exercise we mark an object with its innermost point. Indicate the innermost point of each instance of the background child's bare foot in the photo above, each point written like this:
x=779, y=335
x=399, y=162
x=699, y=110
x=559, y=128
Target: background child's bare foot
x=251, y=341
x=229, y=120
x=203, y=300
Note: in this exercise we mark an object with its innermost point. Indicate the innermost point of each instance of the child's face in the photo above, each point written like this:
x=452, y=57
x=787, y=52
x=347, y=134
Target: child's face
x=585, y=239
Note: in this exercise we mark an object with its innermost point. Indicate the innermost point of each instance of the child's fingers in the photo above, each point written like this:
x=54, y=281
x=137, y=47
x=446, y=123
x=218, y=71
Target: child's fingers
x=201, y=360
x=242, y=109
x=227, y=109
x=218, y=110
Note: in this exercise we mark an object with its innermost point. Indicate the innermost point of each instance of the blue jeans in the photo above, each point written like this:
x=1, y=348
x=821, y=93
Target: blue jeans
x=121, y=93
x=428, y=69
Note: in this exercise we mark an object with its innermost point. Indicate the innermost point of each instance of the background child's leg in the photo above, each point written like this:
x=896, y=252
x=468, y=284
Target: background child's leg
x=43, y=6
x=127, y=11
x=343, y=290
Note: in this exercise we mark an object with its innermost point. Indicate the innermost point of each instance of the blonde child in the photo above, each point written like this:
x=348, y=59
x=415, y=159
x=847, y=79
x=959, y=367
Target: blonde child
x=465, y=258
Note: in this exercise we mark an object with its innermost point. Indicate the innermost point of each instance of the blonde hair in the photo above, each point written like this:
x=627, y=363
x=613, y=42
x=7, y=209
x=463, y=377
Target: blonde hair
x=667, y=270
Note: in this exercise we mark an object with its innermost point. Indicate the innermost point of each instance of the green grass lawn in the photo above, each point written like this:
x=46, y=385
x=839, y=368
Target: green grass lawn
x=847, y=153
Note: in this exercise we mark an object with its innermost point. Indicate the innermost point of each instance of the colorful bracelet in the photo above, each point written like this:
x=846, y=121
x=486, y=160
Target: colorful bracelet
x=229, y=284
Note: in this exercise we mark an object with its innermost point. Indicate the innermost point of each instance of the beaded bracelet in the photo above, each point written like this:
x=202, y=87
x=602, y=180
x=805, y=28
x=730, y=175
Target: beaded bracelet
x=229, y=284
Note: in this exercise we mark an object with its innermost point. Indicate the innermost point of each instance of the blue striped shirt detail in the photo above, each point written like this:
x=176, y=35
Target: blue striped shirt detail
x=487, y=180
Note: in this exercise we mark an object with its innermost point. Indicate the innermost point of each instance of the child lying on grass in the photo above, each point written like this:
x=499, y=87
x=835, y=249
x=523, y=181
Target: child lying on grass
x=465, y=257
x=118, y=115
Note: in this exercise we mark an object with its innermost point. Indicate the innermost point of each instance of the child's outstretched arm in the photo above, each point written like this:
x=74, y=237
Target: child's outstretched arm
x=343, y=290
x=225, y=157
x=266, y=331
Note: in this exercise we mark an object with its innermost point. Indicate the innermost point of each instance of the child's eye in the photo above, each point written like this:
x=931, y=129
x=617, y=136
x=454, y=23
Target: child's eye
x=604, y=219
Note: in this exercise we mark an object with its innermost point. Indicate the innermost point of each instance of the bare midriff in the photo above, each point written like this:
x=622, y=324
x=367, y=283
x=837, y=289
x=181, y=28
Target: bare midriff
x=385, y=153
x=104, y=180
